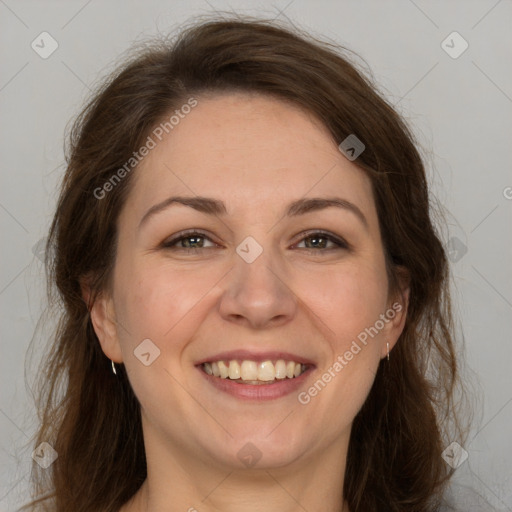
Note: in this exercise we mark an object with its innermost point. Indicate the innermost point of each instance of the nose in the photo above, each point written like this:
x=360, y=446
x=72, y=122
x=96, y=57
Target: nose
x=257, y=294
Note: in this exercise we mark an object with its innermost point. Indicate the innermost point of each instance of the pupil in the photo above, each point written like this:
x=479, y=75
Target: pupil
x=195, y=241
x=315, y=242
x=192, y=238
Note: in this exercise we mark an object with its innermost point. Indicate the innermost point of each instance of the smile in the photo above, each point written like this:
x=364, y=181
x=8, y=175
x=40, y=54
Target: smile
x=255, y=373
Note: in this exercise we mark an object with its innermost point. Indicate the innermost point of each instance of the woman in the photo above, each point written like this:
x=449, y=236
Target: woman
x=254, y=299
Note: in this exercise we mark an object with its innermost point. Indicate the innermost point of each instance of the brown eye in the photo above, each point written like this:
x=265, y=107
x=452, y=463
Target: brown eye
x=188, y=241
x=319, y=240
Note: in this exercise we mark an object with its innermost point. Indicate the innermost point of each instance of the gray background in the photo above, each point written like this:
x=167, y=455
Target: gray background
x=460, y=109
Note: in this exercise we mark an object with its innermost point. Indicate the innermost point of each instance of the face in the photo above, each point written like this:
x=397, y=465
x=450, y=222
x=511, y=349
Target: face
x=272, y=256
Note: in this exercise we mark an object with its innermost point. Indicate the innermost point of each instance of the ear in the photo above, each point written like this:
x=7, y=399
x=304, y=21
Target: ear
x=103, y=318
x=396, y=312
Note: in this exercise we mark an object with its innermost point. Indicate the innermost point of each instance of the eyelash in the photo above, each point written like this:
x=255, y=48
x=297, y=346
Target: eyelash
x=171, y=244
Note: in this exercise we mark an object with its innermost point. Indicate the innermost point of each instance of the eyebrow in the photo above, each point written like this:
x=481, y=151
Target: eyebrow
x=212, y=206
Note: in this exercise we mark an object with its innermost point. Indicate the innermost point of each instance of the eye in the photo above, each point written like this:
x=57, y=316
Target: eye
x=319, y=240
x=188, y=241
x=315, y=242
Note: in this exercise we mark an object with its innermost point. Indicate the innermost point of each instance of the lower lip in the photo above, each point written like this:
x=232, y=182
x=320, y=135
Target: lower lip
x=257, y=392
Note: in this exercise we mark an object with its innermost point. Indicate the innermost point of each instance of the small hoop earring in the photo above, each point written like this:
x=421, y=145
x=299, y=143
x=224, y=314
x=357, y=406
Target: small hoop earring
x=113, y=367
x=387, y=345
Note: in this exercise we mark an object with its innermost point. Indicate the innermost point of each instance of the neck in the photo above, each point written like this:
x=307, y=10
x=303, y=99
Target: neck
x=180, y=481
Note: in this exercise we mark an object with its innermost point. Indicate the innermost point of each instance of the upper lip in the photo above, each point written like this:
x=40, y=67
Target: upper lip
x=258, y=357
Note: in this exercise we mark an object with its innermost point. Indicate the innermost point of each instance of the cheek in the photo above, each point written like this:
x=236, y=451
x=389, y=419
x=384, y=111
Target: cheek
x=346, y=304
x=158, y=301
x=165, y=306
x=347, y=300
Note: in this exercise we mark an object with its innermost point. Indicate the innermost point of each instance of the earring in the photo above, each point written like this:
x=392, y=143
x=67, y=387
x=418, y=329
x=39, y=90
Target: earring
x=387, y=345
x=113, y=367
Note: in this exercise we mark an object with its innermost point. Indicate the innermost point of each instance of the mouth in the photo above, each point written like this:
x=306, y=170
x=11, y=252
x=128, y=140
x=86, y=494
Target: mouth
x=260, y=377
x=253, y=372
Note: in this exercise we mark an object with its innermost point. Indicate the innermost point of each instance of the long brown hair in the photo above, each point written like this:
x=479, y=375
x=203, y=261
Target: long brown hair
x=92, y=418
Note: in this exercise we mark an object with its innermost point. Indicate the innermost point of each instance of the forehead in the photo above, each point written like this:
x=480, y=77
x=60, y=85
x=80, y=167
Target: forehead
x=250, y=151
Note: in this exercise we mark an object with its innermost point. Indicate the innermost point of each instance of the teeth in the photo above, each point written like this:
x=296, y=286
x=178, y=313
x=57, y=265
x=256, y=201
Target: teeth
x=280, y=367
x=266, y=371
x=234, y=370
x=223, y=369
x=290, y=369
x=251, y=371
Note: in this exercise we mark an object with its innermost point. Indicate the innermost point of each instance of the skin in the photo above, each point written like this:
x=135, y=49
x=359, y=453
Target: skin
x=257, y=155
